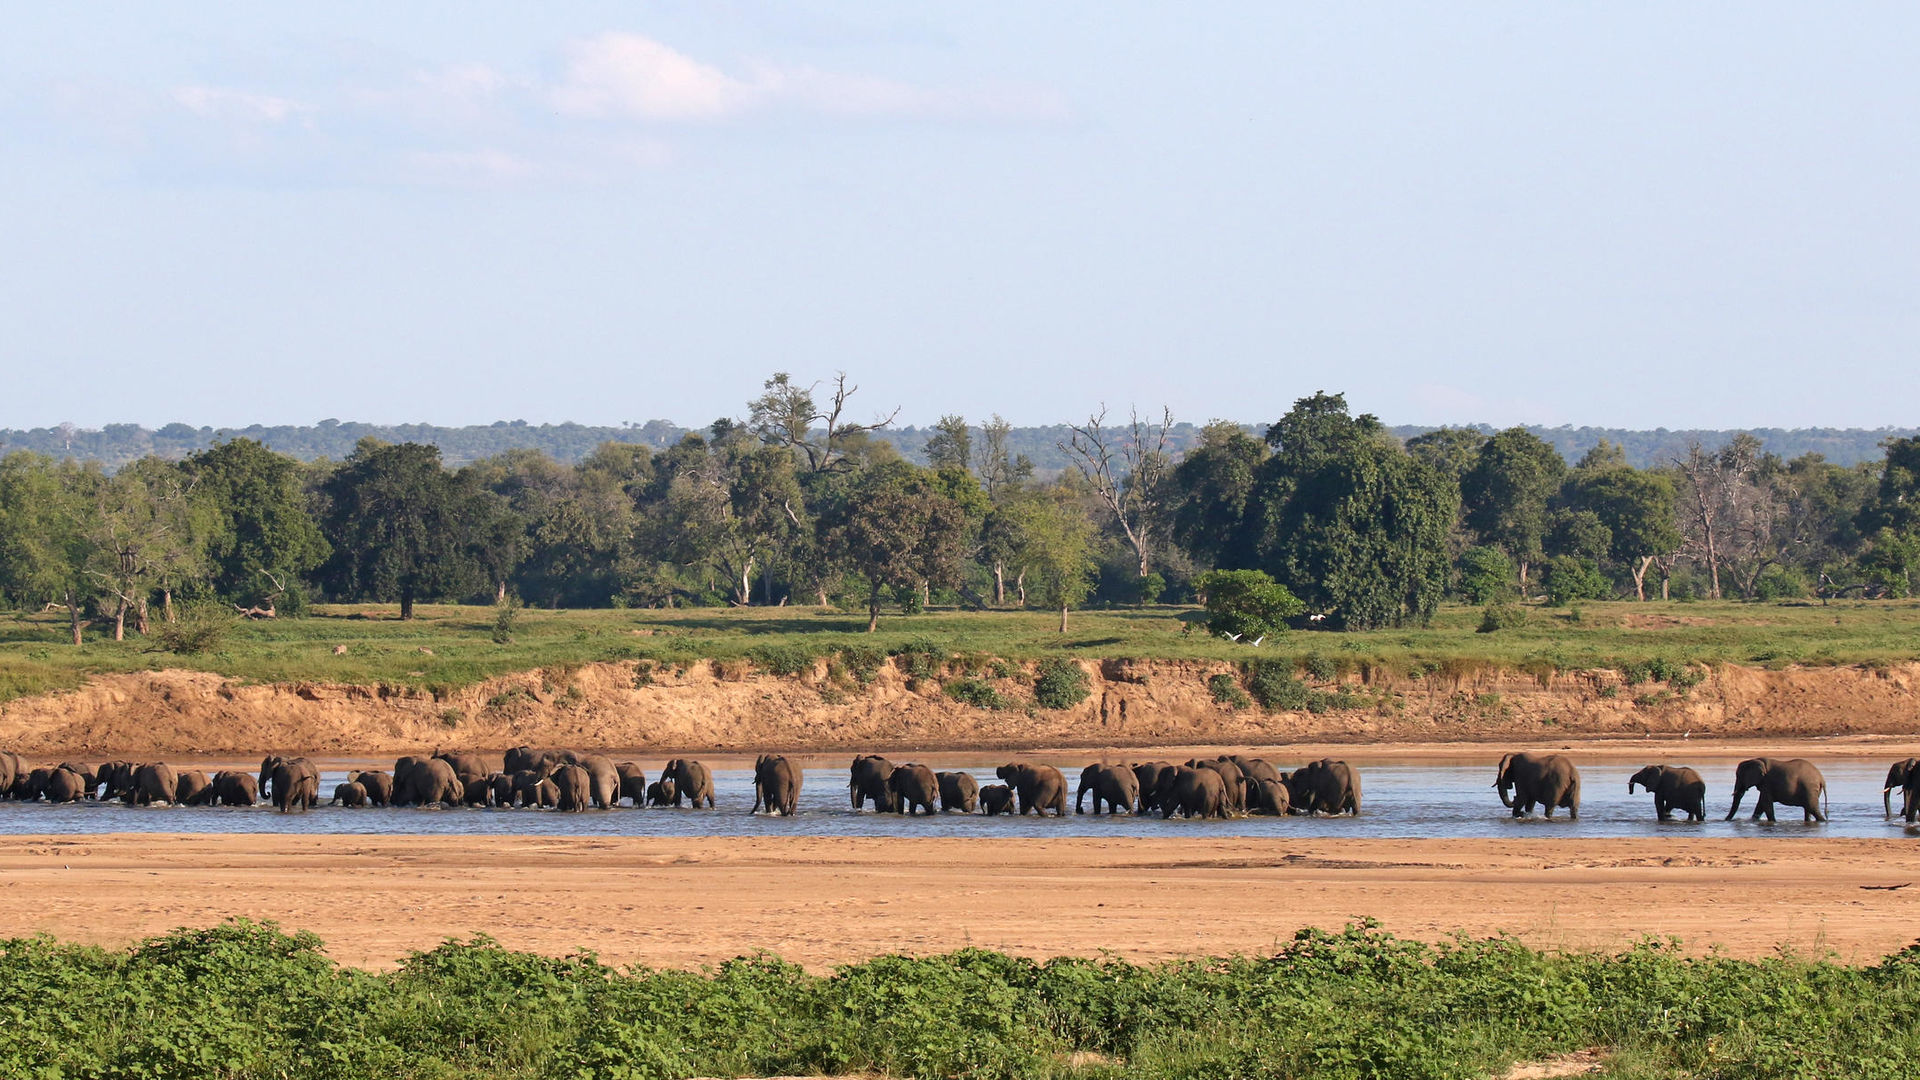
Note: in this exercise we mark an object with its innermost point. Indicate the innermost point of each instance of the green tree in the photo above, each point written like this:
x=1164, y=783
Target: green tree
x=262, y=540
x=1636, y=508
x=897, y=532
x=144, y=533
x=43, y=545
x=1451, y=451
x=1209, y=492
x=951, y=445
x=402, y=527
x=1486, y=575
x=1246, y=604
x=1505, y=494
x=1056, y=552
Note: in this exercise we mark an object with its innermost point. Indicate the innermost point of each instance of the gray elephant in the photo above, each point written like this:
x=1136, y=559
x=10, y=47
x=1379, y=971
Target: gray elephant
x=776, y=785
x=958, y=791
x=1549, y=780
x=63, y=785
x=527, y=759
x=377, y=784
x=1897, y=777
x=1254, y=768
x=349, y=794
x=466, y=765
x=193, y=788
x=477, y=792
x=232, y=788
x=152, y=783
x=996, y=799
x=633, y=782
x=113, y=779
x=502, y=789
x=1269, y=797
x=576, y=787
x=1192, y=792
x=1674, y=788
x=1326, y=786
x=296, y=785
x=1233, y=782
x=867, y=780
x=661, y=793
x=1148, y=775
x=1040, y=787
x=89, y=780
x=426, y=782
x=11, y=768
x=915, y=789
x=1112, y=785
x=691, y=781
x=603, y=780
x=1795, y=782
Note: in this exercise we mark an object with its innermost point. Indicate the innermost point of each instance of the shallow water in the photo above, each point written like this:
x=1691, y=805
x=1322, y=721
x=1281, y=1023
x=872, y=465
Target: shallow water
x=1417, y=801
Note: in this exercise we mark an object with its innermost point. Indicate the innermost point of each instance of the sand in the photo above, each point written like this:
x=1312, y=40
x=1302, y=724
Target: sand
x=685, y=902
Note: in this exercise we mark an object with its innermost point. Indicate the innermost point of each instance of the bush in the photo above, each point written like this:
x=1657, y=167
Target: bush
x=199, y=628
x=1272, y=684
x=1780, y=583
x=1569, y=579
x=1246, y=603
x=860, y=663
x=976, y=692
x=1502, y=616
x=1060, y=684
x=505, y=614
x=920, y=661
x=1486, y=575
x=783, y=660
x=1226, y=691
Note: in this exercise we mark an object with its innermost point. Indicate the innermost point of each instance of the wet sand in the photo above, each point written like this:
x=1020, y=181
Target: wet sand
x=684, y=902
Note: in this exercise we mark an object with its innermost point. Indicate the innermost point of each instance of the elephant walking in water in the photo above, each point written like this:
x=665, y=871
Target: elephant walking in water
x=1114, y=785
x=1795, y=782
x=1674, y=788
x=776, y=785
x=1902, y=773
x=1547, y=779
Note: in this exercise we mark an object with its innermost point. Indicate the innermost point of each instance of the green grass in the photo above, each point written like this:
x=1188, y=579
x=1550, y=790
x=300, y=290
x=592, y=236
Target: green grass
x=382, y=650
x=244, y=1000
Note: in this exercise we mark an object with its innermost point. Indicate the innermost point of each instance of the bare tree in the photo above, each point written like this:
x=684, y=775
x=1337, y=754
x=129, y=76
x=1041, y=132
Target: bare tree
x=1725, y=513
x=787, y=414
x=1126, y=469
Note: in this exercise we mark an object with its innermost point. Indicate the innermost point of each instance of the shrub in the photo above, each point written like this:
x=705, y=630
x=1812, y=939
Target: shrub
x=861, y=663
x=1780, y=583
x=1501, y=616
x=505, y=614
x=1246, y=603
x=1569, y=579
x=1272, y=684
x=783, y=660
x=1226, y=691
x=1486, y=575
x=920, y=661
x=1320, y=668
x=1060, y=684
x=976, y=692
x=200, y=628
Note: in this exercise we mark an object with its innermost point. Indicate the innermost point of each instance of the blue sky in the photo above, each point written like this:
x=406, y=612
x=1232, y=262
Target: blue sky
x=1621, y=214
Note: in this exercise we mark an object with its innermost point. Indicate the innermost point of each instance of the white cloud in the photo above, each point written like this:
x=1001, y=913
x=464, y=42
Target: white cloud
x=616, y=74
x=222, y=103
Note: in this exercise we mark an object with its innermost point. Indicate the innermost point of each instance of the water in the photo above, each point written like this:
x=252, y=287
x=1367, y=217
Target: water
x=1400, y=800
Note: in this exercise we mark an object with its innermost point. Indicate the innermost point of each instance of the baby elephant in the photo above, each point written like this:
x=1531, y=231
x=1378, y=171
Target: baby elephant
x=1674, y=788
x=349, y=794
x=996, y=799
x=660, y=793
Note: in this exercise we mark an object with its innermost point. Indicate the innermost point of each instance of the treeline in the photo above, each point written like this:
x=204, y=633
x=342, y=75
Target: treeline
x=795, y=504
x=116, y=445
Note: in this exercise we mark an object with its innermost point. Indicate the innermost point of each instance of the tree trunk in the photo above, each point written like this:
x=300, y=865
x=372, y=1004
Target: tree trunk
x=1523, y=579
x=926, y=595
x=1020, y=587
x=73, y=614
x=500, y=594
x=406, y=603
x=140, y=617
x=999, y=584
x=1640, y=578
x=820, y=594
x=873, y=610
x=166, y=604
x=120, y=620
x=1063, y=617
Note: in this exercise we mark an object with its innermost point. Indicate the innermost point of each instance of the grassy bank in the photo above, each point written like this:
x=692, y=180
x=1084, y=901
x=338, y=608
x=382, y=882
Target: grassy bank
x=450, y=646
x=244, y=1000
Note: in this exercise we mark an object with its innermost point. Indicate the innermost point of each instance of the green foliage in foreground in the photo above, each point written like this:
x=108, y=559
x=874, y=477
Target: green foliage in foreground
x=244, y=1000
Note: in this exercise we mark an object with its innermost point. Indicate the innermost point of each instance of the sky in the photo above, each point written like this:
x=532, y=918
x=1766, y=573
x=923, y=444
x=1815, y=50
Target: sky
x=1619, y=214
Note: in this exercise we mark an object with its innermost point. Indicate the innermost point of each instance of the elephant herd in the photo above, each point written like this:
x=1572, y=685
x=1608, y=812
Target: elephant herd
x=1551, y=782
x=1226, y=786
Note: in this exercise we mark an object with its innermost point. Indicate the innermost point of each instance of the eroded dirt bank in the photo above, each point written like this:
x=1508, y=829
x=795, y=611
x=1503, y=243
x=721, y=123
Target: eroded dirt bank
x=1133, y=703
x=822, y=901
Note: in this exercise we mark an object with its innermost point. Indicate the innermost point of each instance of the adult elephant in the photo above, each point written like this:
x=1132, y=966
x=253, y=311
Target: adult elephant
x=1268, y=797
x=1547, y=779
x=89, y=780
x=691, y=781
x=1149, y=774
x=526, y=758
x=270, y=764
x=1113, y=785
x=996, y=799
x=113, y=779
x=776, y=785
x=235, y=789
x=1254, y=768
x=1794, y=781
x=1897, y=778
x=1674, y=788
x=1233, y=782
x=958, y=791
x=603, y=780
x=377, y=784
x=424, y=782
x=867, y=780
x=575, y=786
x=466, y=765
x=193, y=788
x=1326, y=786
x=296, y=785
x=10, y=769
x=153, y=783
x=633, y=782
x=1192, y=792
x=915, y=789
x=63, y=785
x=1040, y=787
x=527, y=787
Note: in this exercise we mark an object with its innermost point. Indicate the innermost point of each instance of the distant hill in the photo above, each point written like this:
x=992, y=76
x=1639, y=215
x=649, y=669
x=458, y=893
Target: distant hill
x=117, y=444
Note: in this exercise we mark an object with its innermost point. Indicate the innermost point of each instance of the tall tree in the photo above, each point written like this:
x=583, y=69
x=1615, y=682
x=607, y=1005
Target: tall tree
x=1637, y=509
x=43, y=546
x=1209, y=492
x=898, y=531
x=1505, y=494
x=1126, y=469
x=402, y=527
x=1056, y=552
x=1000, y=468
x=951, y=445
x=144, y=534
x=263, y=540
x=1450, y=450
x=787, y=414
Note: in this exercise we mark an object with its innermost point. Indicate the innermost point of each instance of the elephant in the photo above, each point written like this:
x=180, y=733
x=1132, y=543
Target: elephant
x=477, y=792
x=377, y=784
x=996, y=799
x=1268, y=797
x=63, y=785
x=526, y=758
x=1040, y=787
x=154, y=783
x=1795, y=782
x=575, y=785
x=467, y=766
x=776, y=785
x=89, y=780
x=661, y=793
x=1192, y=793
x=633, y=782
x=1324, y=787
x=500, y=790
x=115, y=779
x=1233, y=782
x=1674, y=788
x=914, y=788
x=1149, y=775
x=532, y=788
x=192, y=788
x=296, y=785
x=349, y=794
x=33, y=785
x=1254, y=768
x=235, y=789
x=10, y=769
x=958, y=791
x=603, y=780
x=691, y=781
x=867, y=779
x=424, y=782
x=1114, y=785
x=1547, y=779
x=1897, y=777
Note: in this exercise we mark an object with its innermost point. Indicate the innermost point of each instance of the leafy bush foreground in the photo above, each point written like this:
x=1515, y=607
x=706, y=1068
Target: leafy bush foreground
x=244, y=1000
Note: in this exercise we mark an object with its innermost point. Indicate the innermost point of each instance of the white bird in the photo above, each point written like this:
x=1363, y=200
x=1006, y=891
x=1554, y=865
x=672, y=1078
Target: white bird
x=1233, y=637
x=1258, y=640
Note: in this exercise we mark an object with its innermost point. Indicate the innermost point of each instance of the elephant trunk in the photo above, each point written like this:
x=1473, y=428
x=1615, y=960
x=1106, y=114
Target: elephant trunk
x=1886, y=801
x=1501, y=785
x=1739, y=792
